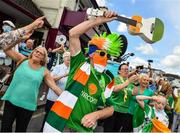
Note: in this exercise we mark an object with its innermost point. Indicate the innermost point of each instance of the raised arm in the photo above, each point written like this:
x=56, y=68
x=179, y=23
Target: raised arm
x=10, y=39
x=16, y=56
x=125, y=84
x=140, y=99
x=83, y=27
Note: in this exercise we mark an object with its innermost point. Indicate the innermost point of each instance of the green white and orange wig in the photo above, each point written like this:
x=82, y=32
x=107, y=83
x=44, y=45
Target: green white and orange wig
x=114, y=44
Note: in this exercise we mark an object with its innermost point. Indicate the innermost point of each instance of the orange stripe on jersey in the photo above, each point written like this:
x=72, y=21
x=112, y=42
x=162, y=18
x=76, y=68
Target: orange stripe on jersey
x=81, y=77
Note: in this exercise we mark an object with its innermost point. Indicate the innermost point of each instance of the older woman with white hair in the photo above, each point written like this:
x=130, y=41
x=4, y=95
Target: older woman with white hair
x=21, y=95
x=141, y=89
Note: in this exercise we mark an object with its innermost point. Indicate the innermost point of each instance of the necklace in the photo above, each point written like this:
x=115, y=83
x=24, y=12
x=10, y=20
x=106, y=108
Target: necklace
x=101, y=81
x=125, y=89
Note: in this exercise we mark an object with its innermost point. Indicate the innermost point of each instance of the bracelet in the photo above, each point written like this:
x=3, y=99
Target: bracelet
x=21, y=32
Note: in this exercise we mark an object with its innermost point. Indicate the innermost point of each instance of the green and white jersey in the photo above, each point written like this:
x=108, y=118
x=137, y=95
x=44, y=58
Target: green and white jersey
x=150, y=113
x=90, y=97
x=121, y=98
x=133, y=102
x=145, y=115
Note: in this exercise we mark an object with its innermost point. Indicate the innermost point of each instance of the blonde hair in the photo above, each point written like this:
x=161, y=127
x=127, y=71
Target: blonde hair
x=166, y=87
x=45, y=59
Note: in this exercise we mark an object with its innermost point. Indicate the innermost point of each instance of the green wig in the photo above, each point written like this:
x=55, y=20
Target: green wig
x=114, y=44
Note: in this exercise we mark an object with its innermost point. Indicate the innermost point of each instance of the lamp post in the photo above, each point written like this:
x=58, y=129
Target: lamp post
x=124, y=57
x=149, y=67
x=149, y=63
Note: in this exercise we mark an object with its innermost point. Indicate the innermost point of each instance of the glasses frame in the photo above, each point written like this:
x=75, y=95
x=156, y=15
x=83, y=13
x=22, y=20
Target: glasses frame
x=103, y=53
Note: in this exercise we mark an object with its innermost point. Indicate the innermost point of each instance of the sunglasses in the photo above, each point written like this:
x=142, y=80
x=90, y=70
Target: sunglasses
x=103, y=53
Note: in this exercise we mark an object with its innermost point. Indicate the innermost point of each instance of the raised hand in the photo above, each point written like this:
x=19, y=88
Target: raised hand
x=133, y=78
x=38, y=23
x=154, y=98
x=108, y=16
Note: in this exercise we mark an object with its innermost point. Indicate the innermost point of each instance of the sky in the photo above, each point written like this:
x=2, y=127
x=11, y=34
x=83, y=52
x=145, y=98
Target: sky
x=164, y=53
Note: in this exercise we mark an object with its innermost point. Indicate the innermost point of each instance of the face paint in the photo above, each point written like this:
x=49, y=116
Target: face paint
x=6, y=28
x=99, y=61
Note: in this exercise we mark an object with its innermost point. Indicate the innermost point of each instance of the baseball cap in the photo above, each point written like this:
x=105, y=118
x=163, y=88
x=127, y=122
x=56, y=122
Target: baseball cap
x=9, y=23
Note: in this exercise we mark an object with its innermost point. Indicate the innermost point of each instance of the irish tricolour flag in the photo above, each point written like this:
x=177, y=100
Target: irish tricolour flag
x=60, y=112
x=62, y=108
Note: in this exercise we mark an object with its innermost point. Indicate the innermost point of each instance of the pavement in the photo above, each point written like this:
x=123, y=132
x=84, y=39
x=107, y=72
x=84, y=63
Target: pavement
x=37, y=119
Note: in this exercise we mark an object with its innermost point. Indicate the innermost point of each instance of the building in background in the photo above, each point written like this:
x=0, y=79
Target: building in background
x=65, y=14
x=61, y=15
x=23, y=12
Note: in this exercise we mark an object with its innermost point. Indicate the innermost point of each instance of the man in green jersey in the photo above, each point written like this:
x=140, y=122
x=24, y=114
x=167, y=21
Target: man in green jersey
x=121, y=120
x=89, y=85
x=85, y=114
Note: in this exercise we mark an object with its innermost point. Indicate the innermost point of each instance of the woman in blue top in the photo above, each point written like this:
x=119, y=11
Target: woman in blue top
x=21, y=96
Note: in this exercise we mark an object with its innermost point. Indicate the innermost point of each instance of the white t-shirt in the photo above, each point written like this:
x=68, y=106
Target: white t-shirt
x=58, y=70
x=6, y=60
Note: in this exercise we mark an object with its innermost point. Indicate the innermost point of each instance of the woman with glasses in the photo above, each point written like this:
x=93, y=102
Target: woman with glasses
x=21, y=95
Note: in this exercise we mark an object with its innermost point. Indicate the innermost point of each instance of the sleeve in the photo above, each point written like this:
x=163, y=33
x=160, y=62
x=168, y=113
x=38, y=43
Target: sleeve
x=105, y=102
x=75, y=62
x=9, y=38
x=109, y=102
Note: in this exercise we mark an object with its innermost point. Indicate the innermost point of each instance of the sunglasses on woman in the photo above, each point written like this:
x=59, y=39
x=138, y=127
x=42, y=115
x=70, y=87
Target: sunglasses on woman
x=103, y=53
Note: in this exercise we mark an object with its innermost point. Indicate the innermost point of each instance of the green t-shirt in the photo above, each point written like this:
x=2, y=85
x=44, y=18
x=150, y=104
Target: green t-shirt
x=90, y=97
x=119, y=99
x=149, y=111
x=24, y=88
x=133, y=102
x=146, y=124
